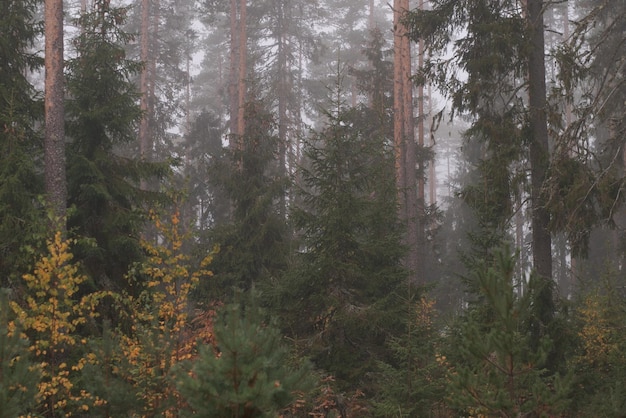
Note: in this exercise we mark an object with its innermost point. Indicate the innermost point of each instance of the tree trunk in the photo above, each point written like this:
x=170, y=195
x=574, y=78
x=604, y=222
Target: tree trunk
x=243, y=49
x=539, y=152
x=404, y=141
x=233, y=73
x=283, y=81
x=144, y=126
x=54, y=143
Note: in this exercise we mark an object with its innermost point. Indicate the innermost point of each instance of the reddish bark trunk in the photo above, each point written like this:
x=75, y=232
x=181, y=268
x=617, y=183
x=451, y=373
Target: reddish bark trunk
x=54, y=141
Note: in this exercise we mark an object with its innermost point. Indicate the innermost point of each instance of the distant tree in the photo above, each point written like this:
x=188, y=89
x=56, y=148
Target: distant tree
x=254, y=244
x=203, y=145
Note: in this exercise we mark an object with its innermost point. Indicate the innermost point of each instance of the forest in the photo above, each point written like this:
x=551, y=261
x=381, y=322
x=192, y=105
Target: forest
x=312, y=208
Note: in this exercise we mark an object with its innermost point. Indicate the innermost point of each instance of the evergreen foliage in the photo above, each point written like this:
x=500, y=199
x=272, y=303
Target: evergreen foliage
x=412, y=382
x=21, y=226
x=247, y=374
x=203, y=147
x=253, y=247
x=496, y=366
x=340, y=297
x=103, y=185
x=19, y=376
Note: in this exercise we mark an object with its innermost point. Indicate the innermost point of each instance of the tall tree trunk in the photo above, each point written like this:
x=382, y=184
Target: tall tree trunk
x=243, y=50
x=404, y=140
x=144, y=126
x=283, y=77
x=233, y=73
x=398, y=108
x=539, y=152
x=54, y=143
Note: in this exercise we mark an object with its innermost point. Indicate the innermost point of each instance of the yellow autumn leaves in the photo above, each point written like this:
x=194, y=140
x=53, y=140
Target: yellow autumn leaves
x=54, y=313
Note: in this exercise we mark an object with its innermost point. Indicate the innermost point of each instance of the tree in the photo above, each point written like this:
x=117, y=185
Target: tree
x=497, y=364
x=539, y=156
x=102, y=113
x=340, y=296
x=404, y=141
x=20, y=143
x=246, y=374
x=502, y=50
x=254, y=245
x=54, y=145
x=18, y=375
x=50, y=313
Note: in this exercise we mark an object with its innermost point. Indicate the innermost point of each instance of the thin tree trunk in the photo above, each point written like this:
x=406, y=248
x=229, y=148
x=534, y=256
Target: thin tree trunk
x=144, y=134
x=398, y=109
x=54, y=141
x=243, y=38
x=233, y=73
x=539, y=152
x=152, y=75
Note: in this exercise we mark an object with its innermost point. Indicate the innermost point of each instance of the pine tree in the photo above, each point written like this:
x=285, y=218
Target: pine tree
x=54, y=102
x=247, y=374
x=102, y=116
x=497, y=365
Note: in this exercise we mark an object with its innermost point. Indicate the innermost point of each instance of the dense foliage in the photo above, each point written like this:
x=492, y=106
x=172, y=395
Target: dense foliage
x=264, y=271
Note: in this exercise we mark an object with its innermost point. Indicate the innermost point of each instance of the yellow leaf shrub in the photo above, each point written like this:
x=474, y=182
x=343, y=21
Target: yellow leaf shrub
x=161, y=331
x=49, y=316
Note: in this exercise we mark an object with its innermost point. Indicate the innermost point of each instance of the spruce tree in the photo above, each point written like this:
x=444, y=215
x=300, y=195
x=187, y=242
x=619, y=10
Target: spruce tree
x=340, y=296
x=253, y=246
x=102, y=116
x=20, y=143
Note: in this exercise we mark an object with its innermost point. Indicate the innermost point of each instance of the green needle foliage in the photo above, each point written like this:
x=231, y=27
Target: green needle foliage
x=497, y=365
x=340, y=298
x=254, y=245
x=20, y=144
x=18, y=375
x=103, y=185
x=247, y=375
